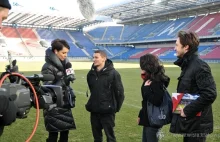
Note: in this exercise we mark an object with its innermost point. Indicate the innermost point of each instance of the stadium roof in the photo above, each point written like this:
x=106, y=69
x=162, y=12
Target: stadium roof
x=55, y=13
x=22, y=19
x=127, y=11
x=156, y=9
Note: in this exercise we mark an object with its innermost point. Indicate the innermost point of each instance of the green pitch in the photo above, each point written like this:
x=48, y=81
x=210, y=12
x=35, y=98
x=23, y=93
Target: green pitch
x=126, y=128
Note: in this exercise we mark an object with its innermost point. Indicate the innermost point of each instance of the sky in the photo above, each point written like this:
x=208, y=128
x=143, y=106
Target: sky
x=62, y=7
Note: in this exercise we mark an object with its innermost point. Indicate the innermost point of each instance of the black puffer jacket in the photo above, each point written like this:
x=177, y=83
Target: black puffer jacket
x=195, y=78
x=107, y=92
x=57, y=119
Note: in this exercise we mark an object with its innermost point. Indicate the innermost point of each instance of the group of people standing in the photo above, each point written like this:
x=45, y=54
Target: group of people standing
x=195, y=78
x=107, y=93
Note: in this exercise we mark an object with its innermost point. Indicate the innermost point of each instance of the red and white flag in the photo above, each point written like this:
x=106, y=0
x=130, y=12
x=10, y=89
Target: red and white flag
x=180, y=100
x=176, y=98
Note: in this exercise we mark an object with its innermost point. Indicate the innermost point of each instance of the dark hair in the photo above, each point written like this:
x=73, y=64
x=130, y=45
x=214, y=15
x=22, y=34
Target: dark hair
x=189, y=38
x=58, y=44
x=153, y=67
x=101, y=52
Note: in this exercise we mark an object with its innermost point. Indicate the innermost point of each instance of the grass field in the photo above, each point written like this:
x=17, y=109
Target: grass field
x=126, y=128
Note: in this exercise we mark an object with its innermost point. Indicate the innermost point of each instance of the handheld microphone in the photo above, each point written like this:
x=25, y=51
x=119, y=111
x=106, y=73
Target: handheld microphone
x=70, y=72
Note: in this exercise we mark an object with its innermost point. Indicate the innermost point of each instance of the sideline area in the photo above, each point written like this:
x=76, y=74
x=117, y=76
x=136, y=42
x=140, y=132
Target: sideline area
x=36, y=65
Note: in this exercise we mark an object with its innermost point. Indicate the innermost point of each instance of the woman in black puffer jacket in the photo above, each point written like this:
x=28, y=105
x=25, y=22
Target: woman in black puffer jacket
x=58, y=119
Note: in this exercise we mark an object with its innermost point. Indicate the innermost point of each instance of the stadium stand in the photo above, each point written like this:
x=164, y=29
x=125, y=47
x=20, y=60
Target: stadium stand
x=205, y=25
x=117, y=49
x=123, y=41
x=83, y=42
x=149, y=50
x=97, y=33
x=46, y=34
x=112, y=33
x=63, y=35
x=9, y=32
x=171, y=29
x=82, y=46
x=214, y=53
x=128, y=53
x=27, y=33
x=128, y=31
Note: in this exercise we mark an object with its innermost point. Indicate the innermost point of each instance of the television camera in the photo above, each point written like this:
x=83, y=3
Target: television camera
x=20, y=91
x=23, y=97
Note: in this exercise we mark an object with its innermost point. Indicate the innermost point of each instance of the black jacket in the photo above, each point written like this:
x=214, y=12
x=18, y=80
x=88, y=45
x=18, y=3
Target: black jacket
x=8, y=112
x=107, y=92
x=195, y=78
x=154, y=94
x=56, y=119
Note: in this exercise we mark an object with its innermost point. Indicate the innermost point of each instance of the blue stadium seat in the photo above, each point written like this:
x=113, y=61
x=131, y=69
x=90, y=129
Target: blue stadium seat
x=97, y=33
x=75, y=52
x=62, y=35
x=171, y=29
x=84, y=41
x=46, y=34
x=113, y=33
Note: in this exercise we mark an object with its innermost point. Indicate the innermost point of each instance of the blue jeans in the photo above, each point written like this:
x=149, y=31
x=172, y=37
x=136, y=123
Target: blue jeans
x=150, y=134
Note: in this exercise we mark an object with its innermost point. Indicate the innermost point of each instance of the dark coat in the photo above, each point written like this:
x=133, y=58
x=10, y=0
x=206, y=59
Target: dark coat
x=154, y=94
x=8, y=111
x=195, y=78
x=107, y=92
x=57, y=119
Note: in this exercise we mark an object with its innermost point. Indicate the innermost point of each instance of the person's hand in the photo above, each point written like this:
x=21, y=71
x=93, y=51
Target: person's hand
x=66, y=81
x=138, y=120
x=147, y=83
x=181, y=112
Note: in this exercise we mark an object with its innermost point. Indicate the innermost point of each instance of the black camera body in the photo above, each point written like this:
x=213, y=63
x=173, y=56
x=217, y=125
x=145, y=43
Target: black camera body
x=48, y=95
x=20, y=95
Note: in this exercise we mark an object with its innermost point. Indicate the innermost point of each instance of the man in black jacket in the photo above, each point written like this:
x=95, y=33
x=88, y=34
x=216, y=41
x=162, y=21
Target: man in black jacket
x=196, y=79
x=8, y=109
x=107, y=96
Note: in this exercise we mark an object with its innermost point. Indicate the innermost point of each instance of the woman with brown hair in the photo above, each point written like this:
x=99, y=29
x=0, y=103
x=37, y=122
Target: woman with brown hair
x=152, y=89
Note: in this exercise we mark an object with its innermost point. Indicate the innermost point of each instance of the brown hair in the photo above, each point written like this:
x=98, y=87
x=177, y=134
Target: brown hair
x=189, y=38
x=153, y=67
x=101, y=52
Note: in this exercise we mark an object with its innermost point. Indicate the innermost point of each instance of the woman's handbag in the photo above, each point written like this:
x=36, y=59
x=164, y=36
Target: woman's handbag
x=160, y=115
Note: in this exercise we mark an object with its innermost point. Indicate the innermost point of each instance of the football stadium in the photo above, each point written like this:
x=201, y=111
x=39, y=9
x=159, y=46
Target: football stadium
x=125, y=30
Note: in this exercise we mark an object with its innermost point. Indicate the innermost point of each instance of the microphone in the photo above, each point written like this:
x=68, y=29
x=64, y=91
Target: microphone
x=70, y=74
x=41, y=77
x=86, y=8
